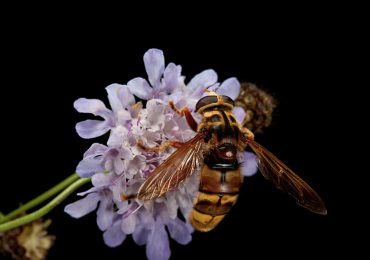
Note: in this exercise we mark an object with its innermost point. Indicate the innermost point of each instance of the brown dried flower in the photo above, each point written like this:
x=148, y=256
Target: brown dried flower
x=259, y=106
x=28, y=242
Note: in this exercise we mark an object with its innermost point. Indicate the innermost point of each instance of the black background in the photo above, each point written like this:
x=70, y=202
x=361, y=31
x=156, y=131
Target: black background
x=44, y=70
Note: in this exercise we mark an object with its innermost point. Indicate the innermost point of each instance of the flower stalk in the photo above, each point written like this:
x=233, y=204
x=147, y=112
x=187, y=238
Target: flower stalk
x=39, y=199
x=73, y=185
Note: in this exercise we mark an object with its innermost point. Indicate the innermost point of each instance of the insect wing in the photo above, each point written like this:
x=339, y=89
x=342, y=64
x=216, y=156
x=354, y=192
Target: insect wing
x=174, y=170
x=285, y=179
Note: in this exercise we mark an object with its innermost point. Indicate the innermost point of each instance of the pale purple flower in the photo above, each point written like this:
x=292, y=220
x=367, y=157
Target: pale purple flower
x=88, y=204
x=93, y=128
x=120, y=167
x=123, y=109
x=166, y=83
x=163, y=81
x=100, y=158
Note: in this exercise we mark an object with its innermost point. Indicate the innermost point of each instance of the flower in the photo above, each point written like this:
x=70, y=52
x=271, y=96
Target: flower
x=120, y=167
x=258, y=105
x=35, y=240
x=30, y=241
x=163, y=81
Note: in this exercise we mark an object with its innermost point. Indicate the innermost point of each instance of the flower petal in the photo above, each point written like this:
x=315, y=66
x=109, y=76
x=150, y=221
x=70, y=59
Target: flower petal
x=83, y=206
x=91, y=190
x=239, y=114
x=119, y=186
x=213, y=88
x=185, y=203
x=117, y=135
x=101, y=179
x=140, y=235
x=202, y=80
x=118, y=165
x=249, y=164
x=146, y=218
x=136, y=164
x=150, y=138
x=92, y=128
x=171, y=78
x=172, y=206
x=230, y=88
x=123, y=116
x=128, y=224
x=93, y=106
x=89, y=166
x=154, y=66
x=113, y=161
x=158, y=245
x=105, y=213
x=125, y=96
x=114, y=236
x=113, y=97
x=179, y=231
x=126, y=153
x=156, y=115
x=95, y=149
x=140, y=88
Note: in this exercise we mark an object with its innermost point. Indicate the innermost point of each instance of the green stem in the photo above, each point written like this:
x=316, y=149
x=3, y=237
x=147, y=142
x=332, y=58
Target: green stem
x=44, y=210
x=36, y=201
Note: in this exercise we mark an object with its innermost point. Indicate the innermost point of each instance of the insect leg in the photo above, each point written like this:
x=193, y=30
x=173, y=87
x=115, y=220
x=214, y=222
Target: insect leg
x=185, y=112
x=125, y=197
x=160, y=148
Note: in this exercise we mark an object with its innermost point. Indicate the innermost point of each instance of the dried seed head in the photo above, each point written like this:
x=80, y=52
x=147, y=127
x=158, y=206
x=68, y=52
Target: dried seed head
x=259, y=107
x=9, y=246
x=28, y=242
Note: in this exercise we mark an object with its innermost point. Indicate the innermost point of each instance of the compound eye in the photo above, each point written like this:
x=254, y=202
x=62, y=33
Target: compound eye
x=228, y=100
x=205, y=101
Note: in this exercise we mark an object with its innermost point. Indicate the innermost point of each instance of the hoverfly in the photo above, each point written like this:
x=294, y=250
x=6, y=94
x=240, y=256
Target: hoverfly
x=214, y=148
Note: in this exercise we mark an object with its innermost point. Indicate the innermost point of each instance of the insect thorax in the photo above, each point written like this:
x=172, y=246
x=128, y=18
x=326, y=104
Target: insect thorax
x=220, y=122
x=224, y=133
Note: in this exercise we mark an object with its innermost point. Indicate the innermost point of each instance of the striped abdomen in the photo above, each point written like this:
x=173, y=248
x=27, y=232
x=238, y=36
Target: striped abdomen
x=218, y=192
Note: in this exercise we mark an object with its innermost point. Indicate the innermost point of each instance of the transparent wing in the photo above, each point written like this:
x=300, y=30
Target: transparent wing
x=174, y=170
x=285, y=179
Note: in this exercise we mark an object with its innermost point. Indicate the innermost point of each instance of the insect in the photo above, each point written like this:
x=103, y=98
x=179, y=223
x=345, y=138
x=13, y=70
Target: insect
x=214, y=149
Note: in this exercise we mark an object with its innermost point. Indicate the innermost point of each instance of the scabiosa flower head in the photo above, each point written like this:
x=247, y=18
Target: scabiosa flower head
x=120, y=166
